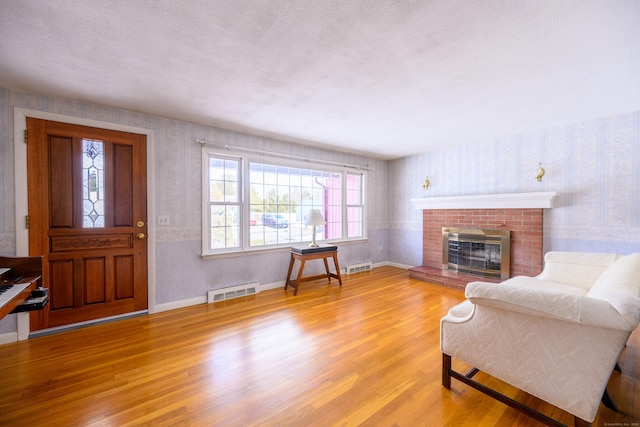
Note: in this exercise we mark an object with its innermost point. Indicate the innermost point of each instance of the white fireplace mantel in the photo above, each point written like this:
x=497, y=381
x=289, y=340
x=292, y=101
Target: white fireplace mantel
x=488, y=201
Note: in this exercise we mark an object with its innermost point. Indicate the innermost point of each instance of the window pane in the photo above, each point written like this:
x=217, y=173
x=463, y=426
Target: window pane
x=93, y=183
x=332, y=200
x=231, y=170
x=355, y=206
x=231, y=191
x=223, y=180
x=354, y=189
x=281, y=197
x=307, y=179
x=354, y=222
x=216, y=169
x=225, y=227
x=224, y=203
x=216, y=191
x=283, y=176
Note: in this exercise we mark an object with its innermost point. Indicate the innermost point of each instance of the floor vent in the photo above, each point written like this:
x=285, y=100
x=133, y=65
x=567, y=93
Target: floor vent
x=232, y=292
x=357, y=268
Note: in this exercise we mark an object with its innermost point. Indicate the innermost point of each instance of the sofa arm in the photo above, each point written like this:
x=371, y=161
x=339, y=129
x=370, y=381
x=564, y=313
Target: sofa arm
x=580, y=269
x=546, y=302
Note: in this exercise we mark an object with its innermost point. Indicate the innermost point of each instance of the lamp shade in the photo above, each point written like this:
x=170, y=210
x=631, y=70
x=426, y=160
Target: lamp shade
x=314, y=217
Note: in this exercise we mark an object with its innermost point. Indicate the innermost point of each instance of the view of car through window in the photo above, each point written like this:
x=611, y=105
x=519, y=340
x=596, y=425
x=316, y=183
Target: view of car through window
x=253, y=204
x=274, y=220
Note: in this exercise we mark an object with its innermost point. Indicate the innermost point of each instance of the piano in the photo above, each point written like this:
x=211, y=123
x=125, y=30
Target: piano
x=19, y=277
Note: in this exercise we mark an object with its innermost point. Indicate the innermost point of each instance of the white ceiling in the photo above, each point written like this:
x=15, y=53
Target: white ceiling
x=389, y=78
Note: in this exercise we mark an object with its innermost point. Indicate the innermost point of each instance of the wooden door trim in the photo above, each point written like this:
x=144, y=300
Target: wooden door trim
x=21, y=206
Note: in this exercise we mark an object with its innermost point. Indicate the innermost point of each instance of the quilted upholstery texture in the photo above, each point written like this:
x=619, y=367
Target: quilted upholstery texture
x=619, y=285
x=554, y=340
x=579, y=269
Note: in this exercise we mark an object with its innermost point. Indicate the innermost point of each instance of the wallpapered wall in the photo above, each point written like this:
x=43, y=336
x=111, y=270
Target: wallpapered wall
x=593, y=165
x=180, y=273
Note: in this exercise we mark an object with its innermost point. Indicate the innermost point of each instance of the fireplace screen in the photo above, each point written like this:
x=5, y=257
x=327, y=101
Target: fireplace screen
x=477, y=251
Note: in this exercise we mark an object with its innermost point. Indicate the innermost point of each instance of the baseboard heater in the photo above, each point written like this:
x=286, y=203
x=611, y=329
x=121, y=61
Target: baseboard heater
x=233, y=292
x=357, y=268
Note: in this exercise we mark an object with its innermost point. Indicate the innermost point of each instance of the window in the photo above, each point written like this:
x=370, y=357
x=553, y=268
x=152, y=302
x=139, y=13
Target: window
x=225, y=206
x=253, y=204
x=355, y=205
x=92, y=183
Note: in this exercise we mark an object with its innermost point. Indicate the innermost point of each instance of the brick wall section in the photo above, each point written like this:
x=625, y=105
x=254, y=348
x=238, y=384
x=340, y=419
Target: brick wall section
x=526, y=234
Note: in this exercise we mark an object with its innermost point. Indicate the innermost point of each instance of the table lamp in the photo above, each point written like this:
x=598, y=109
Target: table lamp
x=314, y=218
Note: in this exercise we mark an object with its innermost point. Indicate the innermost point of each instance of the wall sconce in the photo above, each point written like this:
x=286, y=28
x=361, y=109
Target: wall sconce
x=539, y=172
x=426, y=184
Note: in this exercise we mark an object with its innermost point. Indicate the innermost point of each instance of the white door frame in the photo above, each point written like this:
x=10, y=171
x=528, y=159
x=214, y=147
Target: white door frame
x=20, y=164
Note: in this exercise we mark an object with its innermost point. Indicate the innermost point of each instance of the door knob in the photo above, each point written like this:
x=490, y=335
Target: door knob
x=140, y=224
x=140, y=236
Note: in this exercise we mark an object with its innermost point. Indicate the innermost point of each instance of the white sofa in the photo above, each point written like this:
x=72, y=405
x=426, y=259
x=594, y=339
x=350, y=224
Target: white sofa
x=557, y=336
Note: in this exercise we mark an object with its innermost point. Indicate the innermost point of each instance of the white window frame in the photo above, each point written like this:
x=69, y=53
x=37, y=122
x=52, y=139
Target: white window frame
x=244, y=191
x=361, y=205
x=206, y=203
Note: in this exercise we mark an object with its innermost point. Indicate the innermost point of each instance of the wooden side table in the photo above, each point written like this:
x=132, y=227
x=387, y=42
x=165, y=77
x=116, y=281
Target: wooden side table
x=304, y=254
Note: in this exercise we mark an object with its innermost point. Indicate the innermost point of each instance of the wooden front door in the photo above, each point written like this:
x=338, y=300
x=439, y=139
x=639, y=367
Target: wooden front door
x=88, y=217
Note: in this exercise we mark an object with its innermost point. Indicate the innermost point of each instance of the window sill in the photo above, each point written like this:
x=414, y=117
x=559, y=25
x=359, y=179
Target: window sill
x=260, y=251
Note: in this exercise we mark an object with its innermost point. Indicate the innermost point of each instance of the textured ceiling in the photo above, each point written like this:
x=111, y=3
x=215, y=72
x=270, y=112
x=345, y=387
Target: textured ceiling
x=388, y=78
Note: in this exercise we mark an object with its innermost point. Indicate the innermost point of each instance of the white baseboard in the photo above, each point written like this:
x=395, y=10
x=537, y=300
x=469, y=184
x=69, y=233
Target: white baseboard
x=393, y=264
x=274, y=285
x=180, y=304
x=203, y=300
x=9, y=337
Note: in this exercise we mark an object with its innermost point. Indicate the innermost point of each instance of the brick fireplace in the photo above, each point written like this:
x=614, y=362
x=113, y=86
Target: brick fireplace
x=525, y=224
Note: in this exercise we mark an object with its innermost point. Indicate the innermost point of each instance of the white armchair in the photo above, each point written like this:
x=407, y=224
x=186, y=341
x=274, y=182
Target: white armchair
x=556, y=336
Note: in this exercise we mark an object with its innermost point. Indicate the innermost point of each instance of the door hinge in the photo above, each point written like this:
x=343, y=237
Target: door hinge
x=26, y=221
x=26, y=136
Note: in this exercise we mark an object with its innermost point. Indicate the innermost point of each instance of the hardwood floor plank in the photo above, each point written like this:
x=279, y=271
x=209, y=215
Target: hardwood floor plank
x=366, y=353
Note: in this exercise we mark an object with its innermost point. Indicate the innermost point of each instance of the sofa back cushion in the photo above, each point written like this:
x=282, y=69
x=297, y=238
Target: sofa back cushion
x=620, y=286
x=580, y=269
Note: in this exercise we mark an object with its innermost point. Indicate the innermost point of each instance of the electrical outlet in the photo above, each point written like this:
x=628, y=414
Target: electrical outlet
x=163, y=220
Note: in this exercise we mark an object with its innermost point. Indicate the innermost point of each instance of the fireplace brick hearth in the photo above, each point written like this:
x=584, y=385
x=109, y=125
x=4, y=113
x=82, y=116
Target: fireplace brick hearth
x=526, y=226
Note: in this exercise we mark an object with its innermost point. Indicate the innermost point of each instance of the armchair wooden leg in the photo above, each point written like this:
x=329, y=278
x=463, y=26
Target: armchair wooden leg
x=446, y=371
x=579, y=422
x=608, y=401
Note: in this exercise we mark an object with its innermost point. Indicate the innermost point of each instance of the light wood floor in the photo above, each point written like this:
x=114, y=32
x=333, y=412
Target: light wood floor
x=364, y=354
